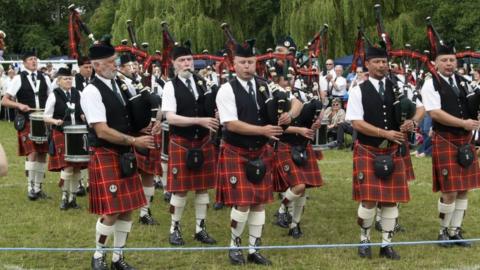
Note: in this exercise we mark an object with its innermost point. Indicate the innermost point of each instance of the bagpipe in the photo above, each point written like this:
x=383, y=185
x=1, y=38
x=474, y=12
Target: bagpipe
x=75, y=28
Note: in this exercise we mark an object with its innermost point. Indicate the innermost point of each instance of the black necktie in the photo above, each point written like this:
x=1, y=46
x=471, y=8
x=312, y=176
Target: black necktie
x=117, y=93
x=34, y=79
x=189, y=85
x=68, y=96
x=454, y=87
x=381, y=89
x=251, y=92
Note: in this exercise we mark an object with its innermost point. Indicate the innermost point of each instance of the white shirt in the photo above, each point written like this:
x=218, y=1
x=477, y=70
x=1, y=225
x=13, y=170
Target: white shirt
x=341, y=88
x=324, y=84
x=355, y=106
x=169, y=102
x=430, y=96
x=227, y=108
x=91, y=102
x=16, y=83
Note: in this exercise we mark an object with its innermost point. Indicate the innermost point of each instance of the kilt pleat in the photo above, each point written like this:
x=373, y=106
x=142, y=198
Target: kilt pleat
x=109, y=192
x=151, y=164
x=287, y=174
x=233, y=188
x=27, y=146
x=182, y=179
x=368, y=187
x=448, y=175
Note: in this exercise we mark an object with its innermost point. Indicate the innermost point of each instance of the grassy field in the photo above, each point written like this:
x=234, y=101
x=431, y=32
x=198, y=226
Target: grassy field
x=330, y=217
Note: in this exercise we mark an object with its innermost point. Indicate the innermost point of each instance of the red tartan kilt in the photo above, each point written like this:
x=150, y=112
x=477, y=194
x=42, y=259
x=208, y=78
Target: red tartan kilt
x=444, y=160
x=27, y=146
x=109, y=193
x=318, y=154
x=368, y=187
x=287, y=174
x=408, y=161
x=180, y=178
x=57, y=162
x=151, y=164
x=233, y=188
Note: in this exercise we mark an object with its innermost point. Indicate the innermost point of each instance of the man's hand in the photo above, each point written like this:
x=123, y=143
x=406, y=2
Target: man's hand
x=157, y=127
x=272, y=132
x=470, y=124
x=144, y=142
x=393, y=135
x=208, y=122
x=147, y=129
x=23, y=107
x=307, y=133
x=408, y=125
x=284, y=119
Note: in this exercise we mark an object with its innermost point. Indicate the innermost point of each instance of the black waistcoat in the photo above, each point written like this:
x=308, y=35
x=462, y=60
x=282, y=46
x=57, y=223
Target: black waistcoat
x=61, y=105
x=248, y=112
x=26, y=94
x=117, y=115
x=377, y=112
x=452, y=104
x=189, y=107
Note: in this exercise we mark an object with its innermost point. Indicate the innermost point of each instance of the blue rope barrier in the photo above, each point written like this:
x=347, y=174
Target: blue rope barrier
x=312, y=246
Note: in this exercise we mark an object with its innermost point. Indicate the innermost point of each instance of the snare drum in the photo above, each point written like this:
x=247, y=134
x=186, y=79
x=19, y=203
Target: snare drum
x=165, y=139
x=76, y=143
x=38, y=130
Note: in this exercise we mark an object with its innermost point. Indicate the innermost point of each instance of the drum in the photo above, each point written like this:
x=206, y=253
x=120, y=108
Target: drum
x=320, y=139
x=76, y=143
x=38, y=130
x=165, y=139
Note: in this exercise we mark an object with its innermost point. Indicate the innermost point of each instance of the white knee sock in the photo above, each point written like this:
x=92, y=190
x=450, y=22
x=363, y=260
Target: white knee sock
x=102, y=233
x=177, y=205
x=389, y=217
x=122, y=228
x=238, y=221
x=164, y=174
x=67, y=176
x=149, y=192
x=446, y=213
x=365, y=220
x=30, y=167
x=39, y=175
x=457, y=216
x=298, y=206
x=201, y=204
x=256, y=220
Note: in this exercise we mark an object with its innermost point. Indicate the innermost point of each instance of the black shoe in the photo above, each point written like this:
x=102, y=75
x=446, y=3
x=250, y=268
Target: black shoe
x=218, y=206
x=147, y=220
x=203, y=237
x=444, y=237
x=81, y=191
x=365, y=251
x=389, y=253
x=64, y=204
x=236, y=257
x=167, y=196
x=282, y=220
x=121, y=265
x=158, y=185
x=32, y=196
x=378, y=226
x=73, y=204
x=295, y=232
x=258, y=258
x=42, y=195
x=176, y=237
x=99, y=264
x=458, y=236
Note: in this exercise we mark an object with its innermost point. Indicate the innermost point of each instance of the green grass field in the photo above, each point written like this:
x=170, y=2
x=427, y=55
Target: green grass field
x=330, y=217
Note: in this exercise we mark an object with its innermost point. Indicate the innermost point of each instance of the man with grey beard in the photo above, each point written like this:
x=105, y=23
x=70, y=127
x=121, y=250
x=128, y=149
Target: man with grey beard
x=191, y=160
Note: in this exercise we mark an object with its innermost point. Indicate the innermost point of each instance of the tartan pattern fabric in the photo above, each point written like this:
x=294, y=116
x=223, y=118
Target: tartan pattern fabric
x=287, y=174
x=180, y=178
x=109, y=192
x=367, y=186
x=408, y=161
x=233, y=188
x=444, y=161
x=151, y=164
x=57, y=162
x=318, y=154
x=27, y=146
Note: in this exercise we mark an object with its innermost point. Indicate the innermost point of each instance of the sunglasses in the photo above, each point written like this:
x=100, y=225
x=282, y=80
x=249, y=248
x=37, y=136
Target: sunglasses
x=335, y=104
